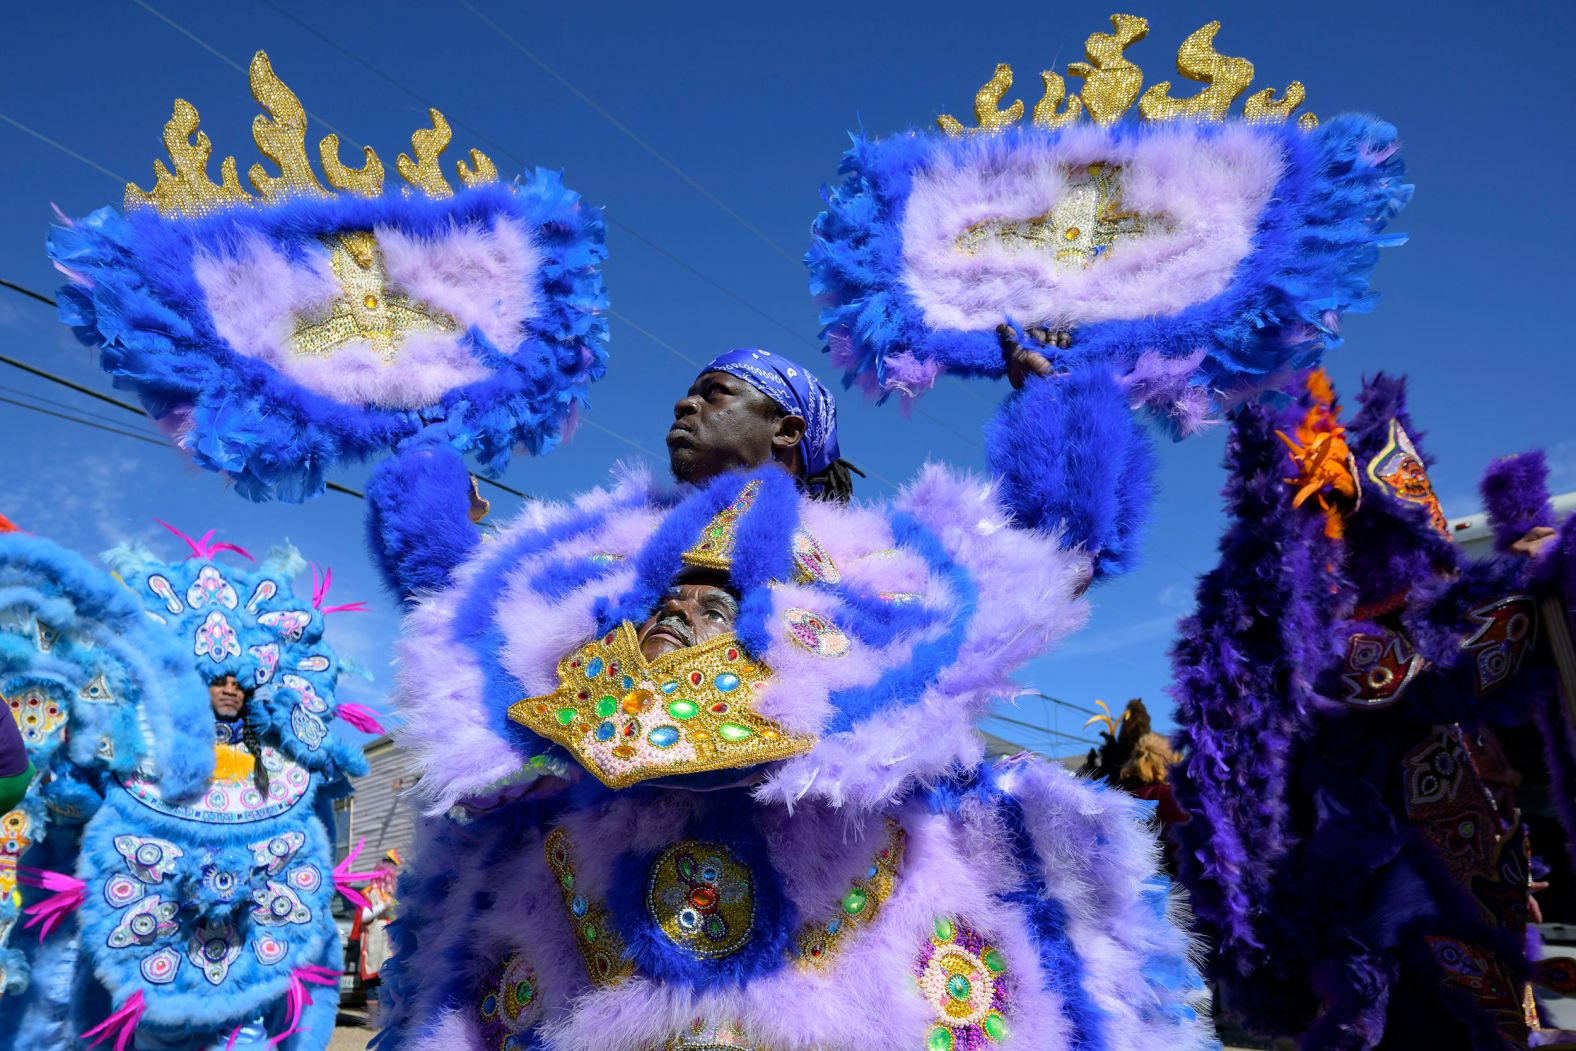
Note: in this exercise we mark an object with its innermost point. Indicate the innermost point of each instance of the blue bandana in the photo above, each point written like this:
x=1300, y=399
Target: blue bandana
x=795, y=390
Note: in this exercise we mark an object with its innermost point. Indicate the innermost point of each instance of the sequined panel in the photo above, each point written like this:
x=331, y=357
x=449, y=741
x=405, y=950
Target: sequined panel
x=1507, y=629
x=16, y=835
x=690, y=710
x=966, y=983
x=703, y=898
x=714, y=549
x=37, y=714
x=1085, y=223
x=231, y=797
x=819, y=940
x=367, y=309
x=1399, y=470
x=1485, y=978
x=601, y=946
x=511, y=1003
x=812, y=564
x=1378, y=669
x=705, y=1035
x=811, y=631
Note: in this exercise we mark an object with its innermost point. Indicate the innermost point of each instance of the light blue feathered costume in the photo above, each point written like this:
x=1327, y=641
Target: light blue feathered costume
x=201, y=891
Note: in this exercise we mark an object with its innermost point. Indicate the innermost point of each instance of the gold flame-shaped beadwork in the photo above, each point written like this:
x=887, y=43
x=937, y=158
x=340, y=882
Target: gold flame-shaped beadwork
x=1113, y=84
x=185, y=188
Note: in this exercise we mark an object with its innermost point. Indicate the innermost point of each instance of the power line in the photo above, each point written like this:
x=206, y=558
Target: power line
x=1064, y=704
x=602, y=112
x=86, y=423
x=129, y=407
x=1039, y=729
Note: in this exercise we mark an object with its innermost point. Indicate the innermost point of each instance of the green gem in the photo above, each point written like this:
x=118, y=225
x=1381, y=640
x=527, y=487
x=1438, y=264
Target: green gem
x=606, y=706
x=854, y=904
x=523, y=993
x=589, y=931
x=940, y=1039
x=958, y=987
x=734, y=732
x=568, y=880
x=945, y=932
x=995, y=1026
x=565, y=716
x=682, y=709
x=994, y=961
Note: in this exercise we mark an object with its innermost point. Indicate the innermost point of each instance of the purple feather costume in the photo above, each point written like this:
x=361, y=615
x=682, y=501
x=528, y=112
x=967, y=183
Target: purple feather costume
x=1349, y=855
x=873, y=887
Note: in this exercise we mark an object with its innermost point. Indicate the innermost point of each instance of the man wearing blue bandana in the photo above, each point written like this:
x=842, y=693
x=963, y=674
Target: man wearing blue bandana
x=751, y=407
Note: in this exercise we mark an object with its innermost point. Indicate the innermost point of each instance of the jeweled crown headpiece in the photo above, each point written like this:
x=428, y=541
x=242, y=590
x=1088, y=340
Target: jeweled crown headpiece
x=281, y=137
x=1112, y=83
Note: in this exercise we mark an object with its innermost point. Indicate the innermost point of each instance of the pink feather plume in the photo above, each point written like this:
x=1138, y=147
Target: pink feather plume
x=299, y=997
x=122, y=1025
x=361, y=717
x=67, y=893
x=205, y=548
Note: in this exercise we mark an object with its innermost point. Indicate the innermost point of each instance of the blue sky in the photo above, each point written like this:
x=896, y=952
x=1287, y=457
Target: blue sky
x=706, y=129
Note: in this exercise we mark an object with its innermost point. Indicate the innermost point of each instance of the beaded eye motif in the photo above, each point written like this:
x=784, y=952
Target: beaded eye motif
x=965, y=982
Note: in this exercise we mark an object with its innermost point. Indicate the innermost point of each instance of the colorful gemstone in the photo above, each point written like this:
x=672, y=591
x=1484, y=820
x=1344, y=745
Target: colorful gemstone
x=664, y=736
x=594, y=668
x=606, y=706
x=855, y=902
x=605, y=731
x=683, y=709
x=940, y=1039
x=995, y=1026
x=623, y=751
x=636, y=701
x=959, y=987
x=669, y=687
x=734, y=732
x=944, y=930
x=727, y=682
x=994, y=961
x=565, y=716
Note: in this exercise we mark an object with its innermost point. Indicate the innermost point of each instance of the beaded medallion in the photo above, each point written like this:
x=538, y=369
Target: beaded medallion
x=689, y=711
x=965, y=982
x=810, y=631
x=819, y=939
x=703, y=898
x=600, y=944
x=511, y=1004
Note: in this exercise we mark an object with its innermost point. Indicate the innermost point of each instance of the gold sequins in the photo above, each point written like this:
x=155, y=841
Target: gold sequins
x=600, y=944
x=691, y=710
x=1088, y=220
x=818, y=940
x=714, y=548
x=367, y=310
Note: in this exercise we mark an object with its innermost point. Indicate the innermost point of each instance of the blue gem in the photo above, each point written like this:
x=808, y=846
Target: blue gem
x=872, y=873
x=578, y=905
x=605, y=731
x=667, y=687
x=629, y=683
x=594, y=668
x=664, y=736
x=727, y=682
x=834, y=925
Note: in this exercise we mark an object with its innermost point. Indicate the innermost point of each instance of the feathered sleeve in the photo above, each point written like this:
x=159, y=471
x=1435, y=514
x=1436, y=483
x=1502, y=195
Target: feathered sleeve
x=418, y=527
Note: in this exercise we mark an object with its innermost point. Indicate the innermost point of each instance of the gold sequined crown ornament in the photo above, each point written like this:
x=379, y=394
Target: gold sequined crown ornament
x=713, y=549
x=281, y=137
x=1112, y=84
x=689, y=711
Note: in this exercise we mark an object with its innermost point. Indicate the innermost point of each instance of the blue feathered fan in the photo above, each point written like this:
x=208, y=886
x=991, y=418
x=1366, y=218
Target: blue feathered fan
x=1178, y=260
x=276, y=334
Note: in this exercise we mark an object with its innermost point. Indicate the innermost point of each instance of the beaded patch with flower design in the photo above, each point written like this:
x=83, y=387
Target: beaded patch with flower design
x=965, y=982
x=820, y=939
x=811, y=631
x=689, y=711
x=511, y=1003
x=703, y=898
x=600, y=944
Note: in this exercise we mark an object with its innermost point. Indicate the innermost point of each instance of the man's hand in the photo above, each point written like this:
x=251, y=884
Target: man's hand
x=1534, y=542
x=1022, y=362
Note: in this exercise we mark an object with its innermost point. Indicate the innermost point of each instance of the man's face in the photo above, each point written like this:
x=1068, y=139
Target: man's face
x=227, y=698
x=688, y=615
x=724, y=423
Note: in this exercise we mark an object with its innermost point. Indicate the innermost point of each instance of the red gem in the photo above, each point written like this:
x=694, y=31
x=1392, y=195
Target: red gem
x=733, y=654
x=703, y=897
x=720, y=707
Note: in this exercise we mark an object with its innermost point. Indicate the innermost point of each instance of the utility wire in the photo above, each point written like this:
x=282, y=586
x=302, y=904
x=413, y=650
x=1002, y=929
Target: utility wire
x=1039, y=729
x=602, y=112
x=86, y=423
x=129, y=407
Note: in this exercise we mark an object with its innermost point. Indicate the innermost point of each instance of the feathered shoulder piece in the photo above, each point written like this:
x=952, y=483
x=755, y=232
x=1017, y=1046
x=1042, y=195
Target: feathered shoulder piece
x=1198, y=253
x=277, y=331
x=246, y=621
x=863, y=645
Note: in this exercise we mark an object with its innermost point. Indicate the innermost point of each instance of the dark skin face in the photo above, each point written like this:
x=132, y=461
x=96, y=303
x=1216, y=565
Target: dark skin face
x=227, y=698
x=688, y=615
x=724, y=423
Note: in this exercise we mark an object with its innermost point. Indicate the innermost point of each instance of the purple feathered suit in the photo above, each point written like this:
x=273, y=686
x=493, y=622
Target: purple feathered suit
x=1348, y=695
x=804, y=849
